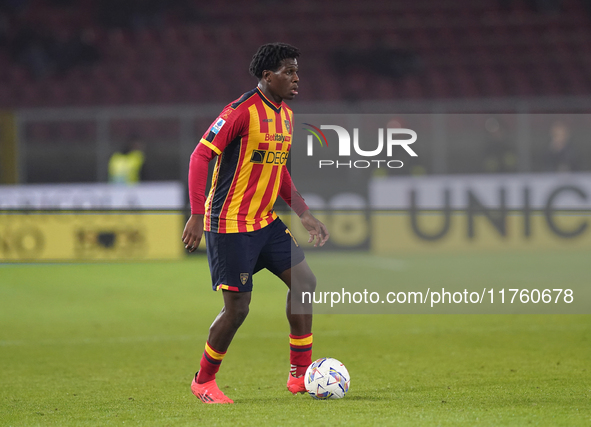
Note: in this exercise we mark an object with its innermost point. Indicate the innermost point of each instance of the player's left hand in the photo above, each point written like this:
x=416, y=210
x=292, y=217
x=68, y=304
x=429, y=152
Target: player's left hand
x=318, y=231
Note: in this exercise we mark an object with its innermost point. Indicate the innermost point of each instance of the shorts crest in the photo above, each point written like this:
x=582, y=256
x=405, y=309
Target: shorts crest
x=244, y=278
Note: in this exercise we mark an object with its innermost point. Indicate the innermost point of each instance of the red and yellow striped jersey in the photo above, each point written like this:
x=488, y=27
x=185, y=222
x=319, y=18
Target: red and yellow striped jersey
x=252, y=138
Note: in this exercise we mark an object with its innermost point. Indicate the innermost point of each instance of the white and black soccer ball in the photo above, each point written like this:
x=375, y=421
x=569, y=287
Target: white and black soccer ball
x=327, y=378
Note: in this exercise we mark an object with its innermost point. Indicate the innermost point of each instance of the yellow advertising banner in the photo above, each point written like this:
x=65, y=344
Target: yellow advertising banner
x=441, y=231
x=89, y=236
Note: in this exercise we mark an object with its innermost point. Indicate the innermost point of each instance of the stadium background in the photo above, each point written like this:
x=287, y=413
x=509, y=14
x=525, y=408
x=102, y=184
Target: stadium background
x=84, y=77
x=80, y=79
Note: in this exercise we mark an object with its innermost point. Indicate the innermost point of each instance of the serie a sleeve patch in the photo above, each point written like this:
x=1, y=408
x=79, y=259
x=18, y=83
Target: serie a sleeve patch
x=217, y=126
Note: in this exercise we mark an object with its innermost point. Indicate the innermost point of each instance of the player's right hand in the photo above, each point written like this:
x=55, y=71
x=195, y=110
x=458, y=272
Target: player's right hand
x=193, y=232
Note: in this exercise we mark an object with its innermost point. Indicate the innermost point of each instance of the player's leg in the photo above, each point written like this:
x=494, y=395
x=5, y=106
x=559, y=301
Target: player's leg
x=225, y=325
x=299, y=280
x=221, y=333
x=283, y=257
x=231, y=265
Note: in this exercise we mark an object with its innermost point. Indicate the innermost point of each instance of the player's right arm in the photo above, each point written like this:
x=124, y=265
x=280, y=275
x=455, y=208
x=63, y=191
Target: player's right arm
x=198, y=165
x=229, y=125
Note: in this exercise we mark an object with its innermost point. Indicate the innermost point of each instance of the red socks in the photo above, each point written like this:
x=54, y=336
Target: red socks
x=300, y=353
x=210, y=364
x=300, y=357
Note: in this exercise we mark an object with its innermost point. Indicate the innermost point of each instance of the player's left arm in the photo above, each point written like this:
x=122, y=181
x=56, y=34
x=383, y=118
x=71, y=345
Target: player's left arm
x=317, y=230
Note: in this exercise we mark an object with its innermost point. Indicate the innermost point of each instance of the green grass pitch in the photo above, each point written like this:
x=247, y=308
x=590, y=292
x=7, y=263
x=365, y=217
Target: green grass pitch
x=117, y=344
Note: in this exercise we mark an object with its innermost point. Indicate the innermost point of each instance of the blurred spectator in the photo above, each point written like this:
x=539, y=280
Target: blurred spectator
x=587, y=6
x=387, y=61
x=31, y=47
x=148, y=14
x=365, y=58
x=561, y=156
x=547, y=6
x=540, y=6
x=186, y=11
x=3, y=30
x=499, y=155
x=43, y=55
x=13, y=6
x=79, y=50
x=132, y=14
x=114, y=13
x=62, y=3
x=126, y=166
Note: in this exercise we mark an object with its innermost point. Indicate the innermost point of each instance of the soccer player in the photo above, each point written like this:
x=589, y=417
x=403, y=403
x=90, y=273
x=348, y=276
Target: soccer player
x=251, y=139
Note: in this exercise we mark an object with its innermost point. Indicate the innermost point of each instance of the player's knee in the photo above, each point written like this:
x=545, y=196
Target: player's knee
x=302, y=279
x=309, y=283
x=232, y=317
x=238, y=315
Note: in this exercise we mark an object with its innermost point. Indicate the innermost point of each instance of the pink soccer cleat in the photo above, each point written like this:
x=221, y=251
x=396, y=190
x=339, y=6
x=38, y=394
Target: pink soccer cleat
x=296, y=384
x=209, y=392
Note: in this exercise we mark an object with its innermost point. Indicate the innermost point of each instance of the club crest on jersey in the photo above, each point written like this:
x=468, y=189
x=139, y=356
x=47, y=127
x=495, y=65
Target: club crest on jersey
x=287, y=126
x=217, y=126
x=244, y=278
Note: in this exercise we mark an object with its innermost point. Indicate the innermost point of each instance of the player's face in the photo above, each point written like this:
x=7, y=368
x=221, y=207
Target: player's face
x=284, y=81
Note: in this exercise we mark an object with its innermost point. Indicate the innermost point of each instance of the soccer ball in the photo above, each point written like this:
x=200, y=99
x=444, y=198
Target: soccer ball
x=327, y=378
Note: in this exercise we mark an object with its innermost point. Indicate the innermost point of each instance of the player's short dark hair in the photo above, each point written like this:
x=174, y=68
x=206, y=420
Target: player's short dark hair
x=269, y=57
